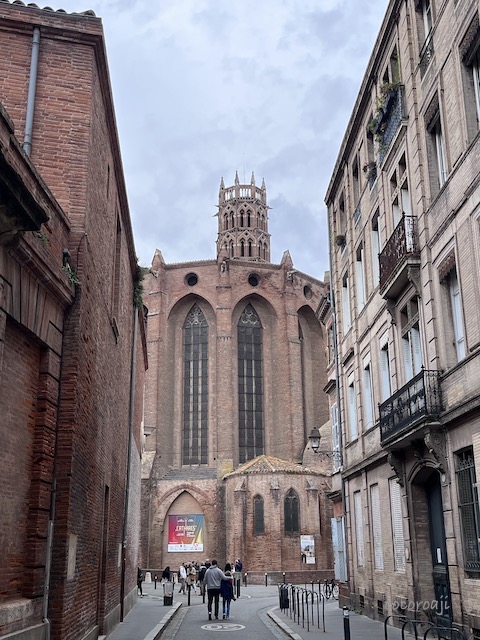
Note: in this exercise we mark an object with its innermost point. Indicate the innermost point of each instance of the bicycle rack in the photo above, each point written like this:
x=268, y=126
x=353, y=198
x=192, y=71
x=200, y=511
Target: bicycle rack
x=450, y=633
x=405, y=623
x=301, y=604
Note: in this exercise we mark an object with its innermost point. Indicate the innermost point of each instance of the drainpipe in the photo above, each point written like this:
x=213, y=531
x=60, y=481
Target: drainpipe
x=129, y=456
x=32, y=89
x=53, y=495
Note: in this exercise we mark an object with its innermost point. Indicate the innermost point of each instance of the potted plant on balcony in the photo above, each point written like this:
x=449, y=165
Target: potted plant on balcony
x=388, y=95
x=340, y=240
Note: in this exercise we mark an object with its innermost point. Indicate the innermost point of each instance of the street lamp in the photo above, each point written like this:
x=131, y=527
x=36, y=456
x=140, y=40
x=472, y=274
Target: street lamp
x=314, y=438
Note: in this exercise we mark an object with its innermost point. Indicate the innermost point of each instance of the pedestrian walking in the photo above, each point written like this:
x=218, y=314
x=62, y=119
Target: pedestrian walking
x=213, y=580
x=226, y=590
x=182, y=578
x=165, y=574
x=139, y=581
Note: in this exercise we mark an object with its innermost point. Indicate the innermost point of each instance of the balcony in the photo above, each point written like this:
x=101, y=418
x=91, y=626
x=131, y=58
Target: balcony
x=394, y=114
x=415, y=405
x=399, y=255
x=426, y=54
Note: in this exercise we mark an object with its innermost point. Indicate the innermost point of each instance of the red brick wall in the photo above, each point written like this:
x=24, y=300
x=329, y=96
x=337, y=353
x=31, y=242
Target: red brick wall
x=74, y=146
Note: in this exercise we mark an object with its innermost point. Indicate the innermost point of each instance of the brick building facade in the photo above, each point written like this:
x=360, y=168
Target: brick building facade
x=403, y=208
x=72, y=342
x=236, y=371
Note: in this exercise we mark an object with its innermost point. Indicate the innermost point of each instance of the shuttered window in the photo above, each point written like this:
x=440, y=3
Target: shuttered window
x=337, y=459
x=292, y=512
x=357, y=507
x=397, y=525
x=376, y=527
x=338, y=540
x=352, y=408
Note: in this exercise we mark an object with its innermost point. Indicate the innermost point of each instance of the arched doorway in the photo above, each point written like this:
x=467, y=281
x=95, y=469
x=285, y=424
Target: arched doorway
x=432, y=580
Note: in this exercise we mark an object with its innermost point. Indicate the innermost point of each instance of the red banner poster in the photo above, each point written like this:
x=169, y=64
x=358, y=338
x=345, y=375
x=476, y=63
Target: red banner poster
x=185, y=533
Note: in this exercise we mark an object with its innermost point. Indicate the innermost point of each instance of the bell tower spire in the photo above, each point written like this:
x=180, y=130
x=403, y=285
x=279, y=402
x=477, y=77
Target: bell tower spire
x=243, y=222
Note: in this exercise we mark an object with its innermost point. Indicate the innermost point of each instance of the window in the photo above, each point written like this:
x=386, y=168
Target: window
x=367, y=395
x=358, y=513
x=195, y=388
x=258, y=516
x=376, y=248
x=338, y=543
x=352, y=408
x=116, y=269
x=410, y=327
x=336, y=441
x=385, y=377
x=360, y=277
x=469, y=511
x=437, y=160
x=397, y=525
x=250, y=385
x=292, y=512
x=376, y=527
x=456, y=314
x=424, y=24
x=346, y=304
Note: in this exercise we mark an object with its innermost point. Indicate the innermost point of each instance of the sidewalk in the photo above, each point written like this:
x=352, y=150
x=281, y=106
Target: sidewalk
x=149, y=617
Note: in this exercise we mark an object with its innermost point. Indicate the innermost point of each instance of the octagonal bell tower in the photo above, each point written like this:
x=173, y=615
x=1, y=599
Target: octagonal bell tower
x=243, y=222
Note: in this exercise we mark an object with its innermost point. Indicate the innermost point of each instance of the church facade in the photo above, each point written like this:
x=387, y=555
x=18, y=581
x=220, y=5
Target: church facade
x=235, y=385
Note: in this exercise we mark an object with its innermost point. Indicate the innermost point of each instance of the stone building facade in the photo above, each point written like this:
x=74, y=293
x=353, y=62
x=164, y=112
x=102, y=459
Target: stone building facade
x=236, y=371
x=72, y=341
x=403, y=209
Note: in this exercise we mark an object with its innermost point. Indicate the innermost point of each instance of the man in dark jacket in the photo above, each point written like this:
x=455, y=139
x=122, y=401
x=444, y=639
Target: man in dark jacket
x=213, y=580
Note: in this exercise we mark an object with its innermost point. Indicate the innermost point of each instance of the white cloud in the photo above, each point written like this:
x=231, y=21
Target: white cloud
x=205, y=87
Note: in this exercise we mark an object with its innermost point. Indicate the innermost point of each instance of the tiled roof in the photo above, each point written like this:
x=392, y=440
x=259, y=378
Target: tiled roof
x=269, y=464
x=32, y=5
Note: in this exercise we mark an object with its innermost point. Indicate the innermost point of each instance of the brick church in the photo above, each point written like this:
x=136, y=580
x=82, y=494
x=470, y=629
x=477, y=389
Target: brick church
x=235, y=384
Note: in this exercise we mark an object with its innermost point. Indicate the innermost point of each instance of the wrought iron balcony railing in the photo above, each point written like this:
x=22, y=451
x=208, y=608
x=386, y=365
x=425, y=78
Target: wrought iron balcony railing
x=416, y=402
x=395, y=113
x=402, y=244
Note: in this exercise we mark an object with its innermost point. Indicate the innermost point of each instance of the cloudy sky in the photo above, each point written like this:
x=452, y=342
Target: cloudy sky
x=204, y=88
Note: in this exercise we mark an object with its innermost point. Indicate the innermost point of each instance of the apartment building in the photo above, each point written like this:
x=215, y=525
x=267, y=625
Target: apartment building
x=404, y=224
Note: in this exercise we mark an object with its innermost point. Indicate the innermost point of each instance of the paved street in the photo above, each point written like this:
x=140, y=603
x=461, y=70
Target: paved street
x=254, y=615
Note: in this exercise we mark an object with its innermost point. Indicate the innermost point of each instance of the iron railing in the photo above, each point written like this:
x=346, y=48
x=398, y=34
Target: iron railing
x=426, y=54
x=402, y=243
x=392, y=120
x=420, y=399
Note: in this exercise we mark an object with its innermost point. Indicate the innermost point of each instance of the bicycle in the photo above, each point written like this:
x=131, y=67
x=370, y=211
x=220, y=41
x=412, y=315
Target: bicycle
x=331, y=589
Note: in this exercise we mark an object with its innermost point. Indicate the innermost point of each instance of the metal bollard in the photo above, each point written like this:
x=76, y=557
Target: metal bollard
x=346, y=623
x=189, y=588
x=284, y=577
x=266, y=579
x=246, y=578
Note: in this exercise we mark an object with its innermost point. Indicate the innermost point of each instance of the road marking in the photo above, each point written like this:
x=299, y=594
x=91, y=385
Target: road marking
x=223, y=626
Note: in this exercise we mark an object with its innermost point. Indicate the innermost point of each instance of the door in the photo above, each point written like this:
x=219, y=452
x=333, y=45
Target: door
x=441, y=583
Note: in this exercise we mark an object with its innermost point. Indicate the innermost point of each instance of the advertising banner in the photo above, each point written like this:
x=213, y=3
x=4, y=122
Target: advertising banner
x=307, y=544
x=185, y=532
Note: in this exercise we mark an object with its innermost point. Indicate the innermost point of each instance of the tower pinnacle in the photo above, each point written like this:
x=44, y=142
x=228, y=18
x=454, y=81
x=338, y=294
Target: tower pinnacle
x=243, y=222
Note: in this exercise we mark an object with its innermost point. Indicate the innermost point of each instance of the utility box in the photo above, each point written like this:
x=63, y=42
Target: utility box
x=167, y=593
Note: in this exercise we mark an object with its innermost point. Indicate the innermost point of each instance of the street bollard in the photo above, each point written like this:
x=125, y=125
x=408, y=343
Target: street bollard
x=246, y=578
x=284, y=577
x=238, y=580
x=346, y=623
x=266, y=579
x=189, y=588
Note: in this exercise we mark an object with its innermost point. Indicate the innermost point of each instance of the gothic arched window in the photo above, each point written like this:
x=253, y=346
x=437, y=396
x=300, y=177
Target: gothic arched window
x=195, y=388
x=249, y=248
x=291, y=512
x=231, y=248
x=242, y=213
x=250, y=385
x=258, y=518
x=249, y=218
x=242, y=248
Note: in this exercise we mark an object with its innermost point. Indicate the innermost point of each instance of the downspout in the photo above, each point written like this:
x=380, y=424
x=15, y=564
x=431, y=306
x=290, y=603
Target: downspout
x=32, y=90
x=53, y=495
x=129, y=457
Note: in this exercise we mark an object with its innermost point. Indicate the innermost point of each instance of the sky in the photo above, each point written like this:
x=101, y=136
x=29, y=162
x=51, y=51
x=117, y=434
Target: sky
x=205, y=88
